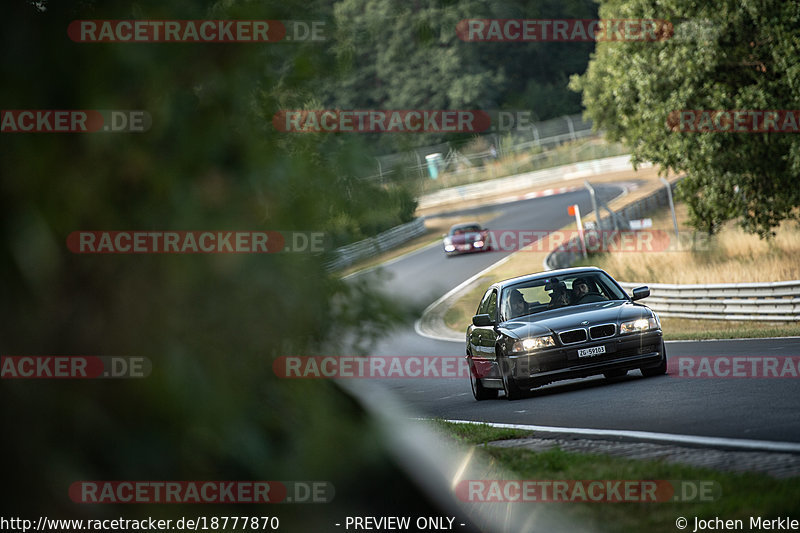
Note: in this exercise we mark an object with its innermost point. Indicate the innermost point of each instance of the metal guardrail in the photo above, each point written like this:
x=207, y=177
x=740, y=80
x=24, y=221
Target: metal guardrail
x=566, y=255
x=525, y=180
x=347, y=255
x=766, y=301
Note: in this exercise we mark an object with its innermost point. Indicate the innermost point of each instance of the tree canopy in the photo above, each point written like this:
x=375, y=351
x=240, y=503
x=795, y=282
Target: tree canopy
x=725, y=55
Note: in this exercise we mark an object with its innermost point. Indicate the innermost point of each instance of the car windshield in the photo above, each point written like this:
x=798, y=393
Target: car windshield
x=465, y=229
x=554, y=292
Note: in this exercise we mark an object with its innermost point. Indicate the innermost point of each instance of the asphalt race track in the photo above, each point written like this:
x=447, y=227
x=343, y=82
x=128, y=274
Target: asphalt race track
x=744, y=408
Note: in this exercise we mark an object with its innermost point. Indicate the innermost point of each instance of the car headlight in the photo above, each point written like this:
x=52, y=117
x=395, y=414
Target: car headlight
x=477, y=244
x=642, y=324
x=532, y=344
x=449, y=248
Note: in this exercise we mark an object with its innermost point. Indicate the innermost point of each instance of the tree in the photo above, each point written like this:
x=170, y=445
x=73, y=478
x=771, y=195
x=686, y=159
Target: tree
x=725, y=55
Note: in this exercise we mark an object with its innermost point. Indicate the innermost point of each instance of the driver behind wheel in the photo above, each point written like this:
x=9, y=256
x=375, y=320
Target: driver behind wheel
x=580, y=288
x=585, y=290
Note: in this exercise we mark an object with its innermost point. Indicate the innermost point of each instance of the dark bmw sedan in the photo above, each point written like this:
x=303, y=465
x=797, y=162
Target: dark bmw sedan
x=562, y=324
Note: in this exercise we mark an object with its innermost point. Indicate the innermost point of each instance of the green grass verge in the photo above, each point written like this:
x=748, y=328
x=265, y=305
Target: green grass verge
x=687, y=329
x=478, y=433
x=742, y=495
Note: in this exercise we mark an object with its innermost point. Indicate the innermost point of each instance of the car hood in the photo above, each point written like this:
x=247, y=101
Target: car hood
x=569, y=317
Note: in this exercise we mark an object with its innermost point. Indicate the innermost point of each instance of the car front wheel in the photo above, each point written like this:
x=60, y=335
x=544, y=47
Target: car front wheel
x=510, y=387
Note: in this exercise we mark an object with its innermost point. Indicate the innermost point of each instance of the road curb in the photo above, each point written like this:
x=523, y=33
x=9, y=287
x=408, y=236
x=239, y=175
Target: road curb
x=776, y=459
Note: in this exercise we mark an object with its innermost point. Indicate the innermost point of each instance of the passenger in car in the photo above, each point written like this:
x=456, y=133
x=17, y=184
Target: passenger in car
x=559, y=297
x=517, y=304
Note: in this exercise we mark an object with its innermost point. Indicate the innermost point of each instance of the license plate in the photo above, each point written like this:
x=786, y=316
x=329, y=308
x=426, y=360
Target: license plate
x=589, y=352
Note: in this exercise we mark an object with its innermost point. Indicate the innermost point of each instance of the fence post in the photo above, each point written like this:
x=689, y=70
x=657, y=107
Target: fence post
x=671, y=208
x=571, y=128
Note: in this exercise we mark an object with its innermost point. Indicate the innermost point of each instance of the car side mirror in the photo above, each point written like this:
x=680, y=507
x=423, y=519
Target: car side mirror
x=482, y=320
x=640, y=292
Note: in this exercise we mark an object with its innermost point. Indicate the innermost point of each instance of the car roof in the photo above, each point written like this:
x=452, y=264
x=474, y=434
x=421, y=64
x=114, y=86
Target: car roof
x=547, y=274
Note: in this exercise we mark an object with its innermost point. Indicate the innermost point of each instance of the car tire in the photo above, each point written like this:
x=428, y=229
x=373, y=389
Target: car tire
x=659, y=370
x=478, y=390
x=510, y=387
x=614, y=374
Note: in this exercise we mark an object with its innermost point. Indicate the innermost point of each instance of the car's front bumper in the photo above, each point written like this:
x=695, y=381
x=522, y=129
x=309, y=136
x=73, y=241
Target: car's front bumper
x=623, y=352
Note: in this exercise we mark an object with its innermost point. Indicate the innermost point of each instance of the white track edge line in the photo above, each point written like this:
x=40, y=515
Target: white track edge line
x=749, y=444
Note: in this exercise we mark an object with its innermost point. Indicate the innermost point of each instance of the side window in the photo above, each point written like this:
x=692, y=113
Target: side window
x=492, y=308
x=484, y=305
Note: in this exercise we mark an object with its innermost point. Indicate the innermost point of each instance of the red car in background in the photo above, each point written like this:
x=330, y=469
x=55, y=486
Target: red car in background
x=465, y=238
